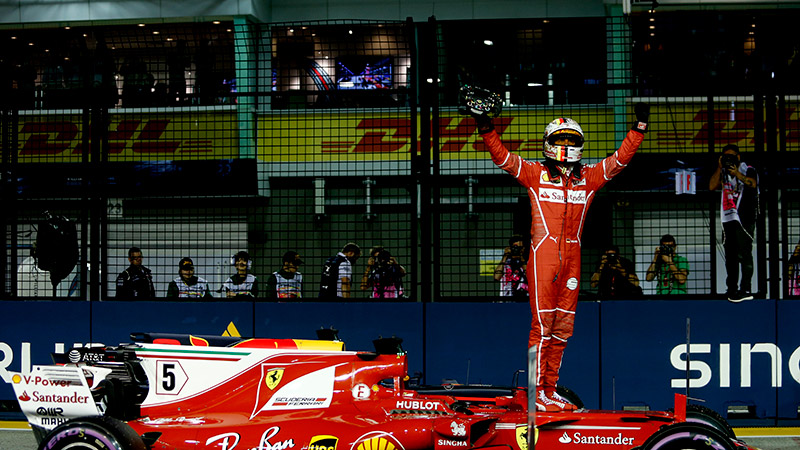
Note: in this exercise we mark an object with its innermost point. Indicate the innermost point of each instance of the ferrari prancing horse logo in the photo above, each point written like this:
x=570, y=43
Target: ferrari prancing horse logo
x=522, y=436
x=273, y=377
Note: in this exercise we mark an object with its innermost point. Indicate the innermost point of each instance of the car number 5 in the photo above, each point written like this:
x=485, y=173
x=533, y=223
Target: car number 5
x=170, y=377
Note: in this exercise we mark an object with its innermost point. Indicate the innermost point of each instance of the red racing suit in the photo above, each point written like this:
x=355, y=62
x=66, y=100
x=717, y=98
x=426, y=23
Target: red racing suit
x=558, y=212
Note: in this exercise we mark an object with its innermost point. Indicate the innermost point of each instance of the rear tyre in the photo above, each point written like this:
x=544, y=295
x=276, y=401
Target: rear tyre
x=688, y=436
x=92, y=433
x=706, y=415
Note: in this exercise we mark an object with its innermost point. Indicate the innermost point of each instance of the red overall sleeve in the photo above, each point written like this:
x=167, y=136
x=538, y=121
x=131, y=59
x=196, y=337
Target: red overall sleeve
x=612, y=165
x=512, y=163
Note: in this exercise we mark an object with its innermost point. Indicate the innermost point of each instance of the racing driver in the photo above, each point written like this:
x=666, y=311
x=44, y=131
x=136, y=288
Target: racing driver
x=560, y=190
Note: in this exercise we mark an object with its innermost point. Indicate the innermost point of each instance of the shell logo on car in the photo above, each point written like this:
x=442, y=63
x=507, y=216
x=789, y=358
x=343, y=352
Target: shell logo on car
x=376, y=443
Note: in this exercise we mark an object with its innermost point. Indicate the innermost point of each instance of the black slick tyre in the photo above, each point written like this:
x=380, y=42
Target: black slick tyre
x=703, y=414
x=688, y=436
x=92, y=433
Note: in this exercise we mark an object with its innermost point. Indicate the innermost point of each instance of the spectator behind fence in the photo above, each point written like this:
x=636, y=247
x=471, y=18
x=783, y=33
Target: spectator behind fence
x=287, y=282
x=615, y=276
x=510, y=272
x=793, y=272
x=739, y=208
x=383, y=275
x=186, y=285
x=177, y=63
x=373, y=254
x=337, y=273
x=242, y=283
x=668, y=268
x=135, y=282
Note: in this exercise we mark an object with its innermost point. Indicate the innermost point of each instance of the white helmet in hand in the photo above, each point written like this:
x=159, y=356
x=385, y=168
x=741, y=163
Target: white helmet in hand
x=563, y=129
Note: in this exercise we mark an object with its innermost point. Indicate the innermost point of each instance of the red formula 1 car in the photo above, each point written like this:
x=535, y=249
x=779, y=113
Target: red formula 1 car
x=185, y=392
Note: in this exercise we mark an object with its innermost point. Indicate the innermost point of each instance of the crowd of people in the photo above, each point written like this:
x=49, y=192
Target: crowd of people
x=615, y=275
x=561, y=189
x=382, y=277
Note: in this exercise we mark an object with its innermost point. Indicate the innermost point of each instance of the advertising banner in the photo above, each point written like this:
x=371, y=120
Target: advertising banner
x=731, y=351
x=332, y=136
x=624, y=354
x=683, y=127
x=166, y=135
x=386, y=136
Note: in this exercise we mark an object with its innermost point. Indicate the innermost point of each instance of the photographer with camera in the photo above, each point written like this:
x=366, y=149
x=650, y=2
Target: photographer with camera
x=511, y=270
x=383, y=275
x=668, y=268
x=793, y=272
x=739, y=208
x=615, y=276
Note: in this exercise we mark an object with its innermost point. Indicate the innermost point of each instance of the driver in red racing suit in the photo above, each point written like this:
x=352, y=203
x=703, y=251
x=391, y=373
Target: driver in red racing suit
x=560, y=191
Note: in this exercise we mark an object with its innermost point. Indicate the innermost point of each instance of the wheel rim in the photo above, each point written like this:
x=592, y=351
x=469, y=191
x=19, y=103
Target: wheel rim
x=688, y=440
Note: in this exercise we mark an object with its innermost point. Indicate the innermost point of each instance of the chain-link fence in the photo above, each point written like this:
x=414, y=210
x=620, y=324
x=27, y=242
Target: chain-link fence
x=201, y=140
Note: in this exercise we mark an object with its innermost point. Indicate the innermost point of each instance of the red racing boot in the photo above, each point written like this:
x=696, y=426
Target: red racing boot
x=557, y=399
x=552, y=402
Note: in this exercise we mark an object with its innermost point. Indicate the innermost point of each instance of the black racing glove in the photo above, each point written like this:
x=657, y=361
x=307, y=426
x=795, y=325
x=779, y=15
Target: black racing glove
x=642, y=112
x=483, y=122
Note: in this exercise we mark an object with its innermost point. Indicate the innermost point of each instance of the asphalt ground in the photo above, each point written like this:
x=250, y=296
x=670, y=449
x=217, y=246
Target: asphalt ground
x=18, y=436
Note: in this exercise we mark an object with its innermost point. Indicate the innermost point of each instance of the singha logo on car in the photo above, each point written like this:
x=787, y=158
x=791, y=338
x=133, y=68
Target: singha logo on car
x=451, y=443
x=458, y=429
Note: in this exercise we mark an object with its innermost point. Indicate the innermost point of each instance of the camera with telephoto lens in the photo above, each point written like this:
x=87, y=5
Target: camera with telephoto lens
x=384, y=258
x=516, y=251
x=665, y=250
x=612, y=258
x=729, y=161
